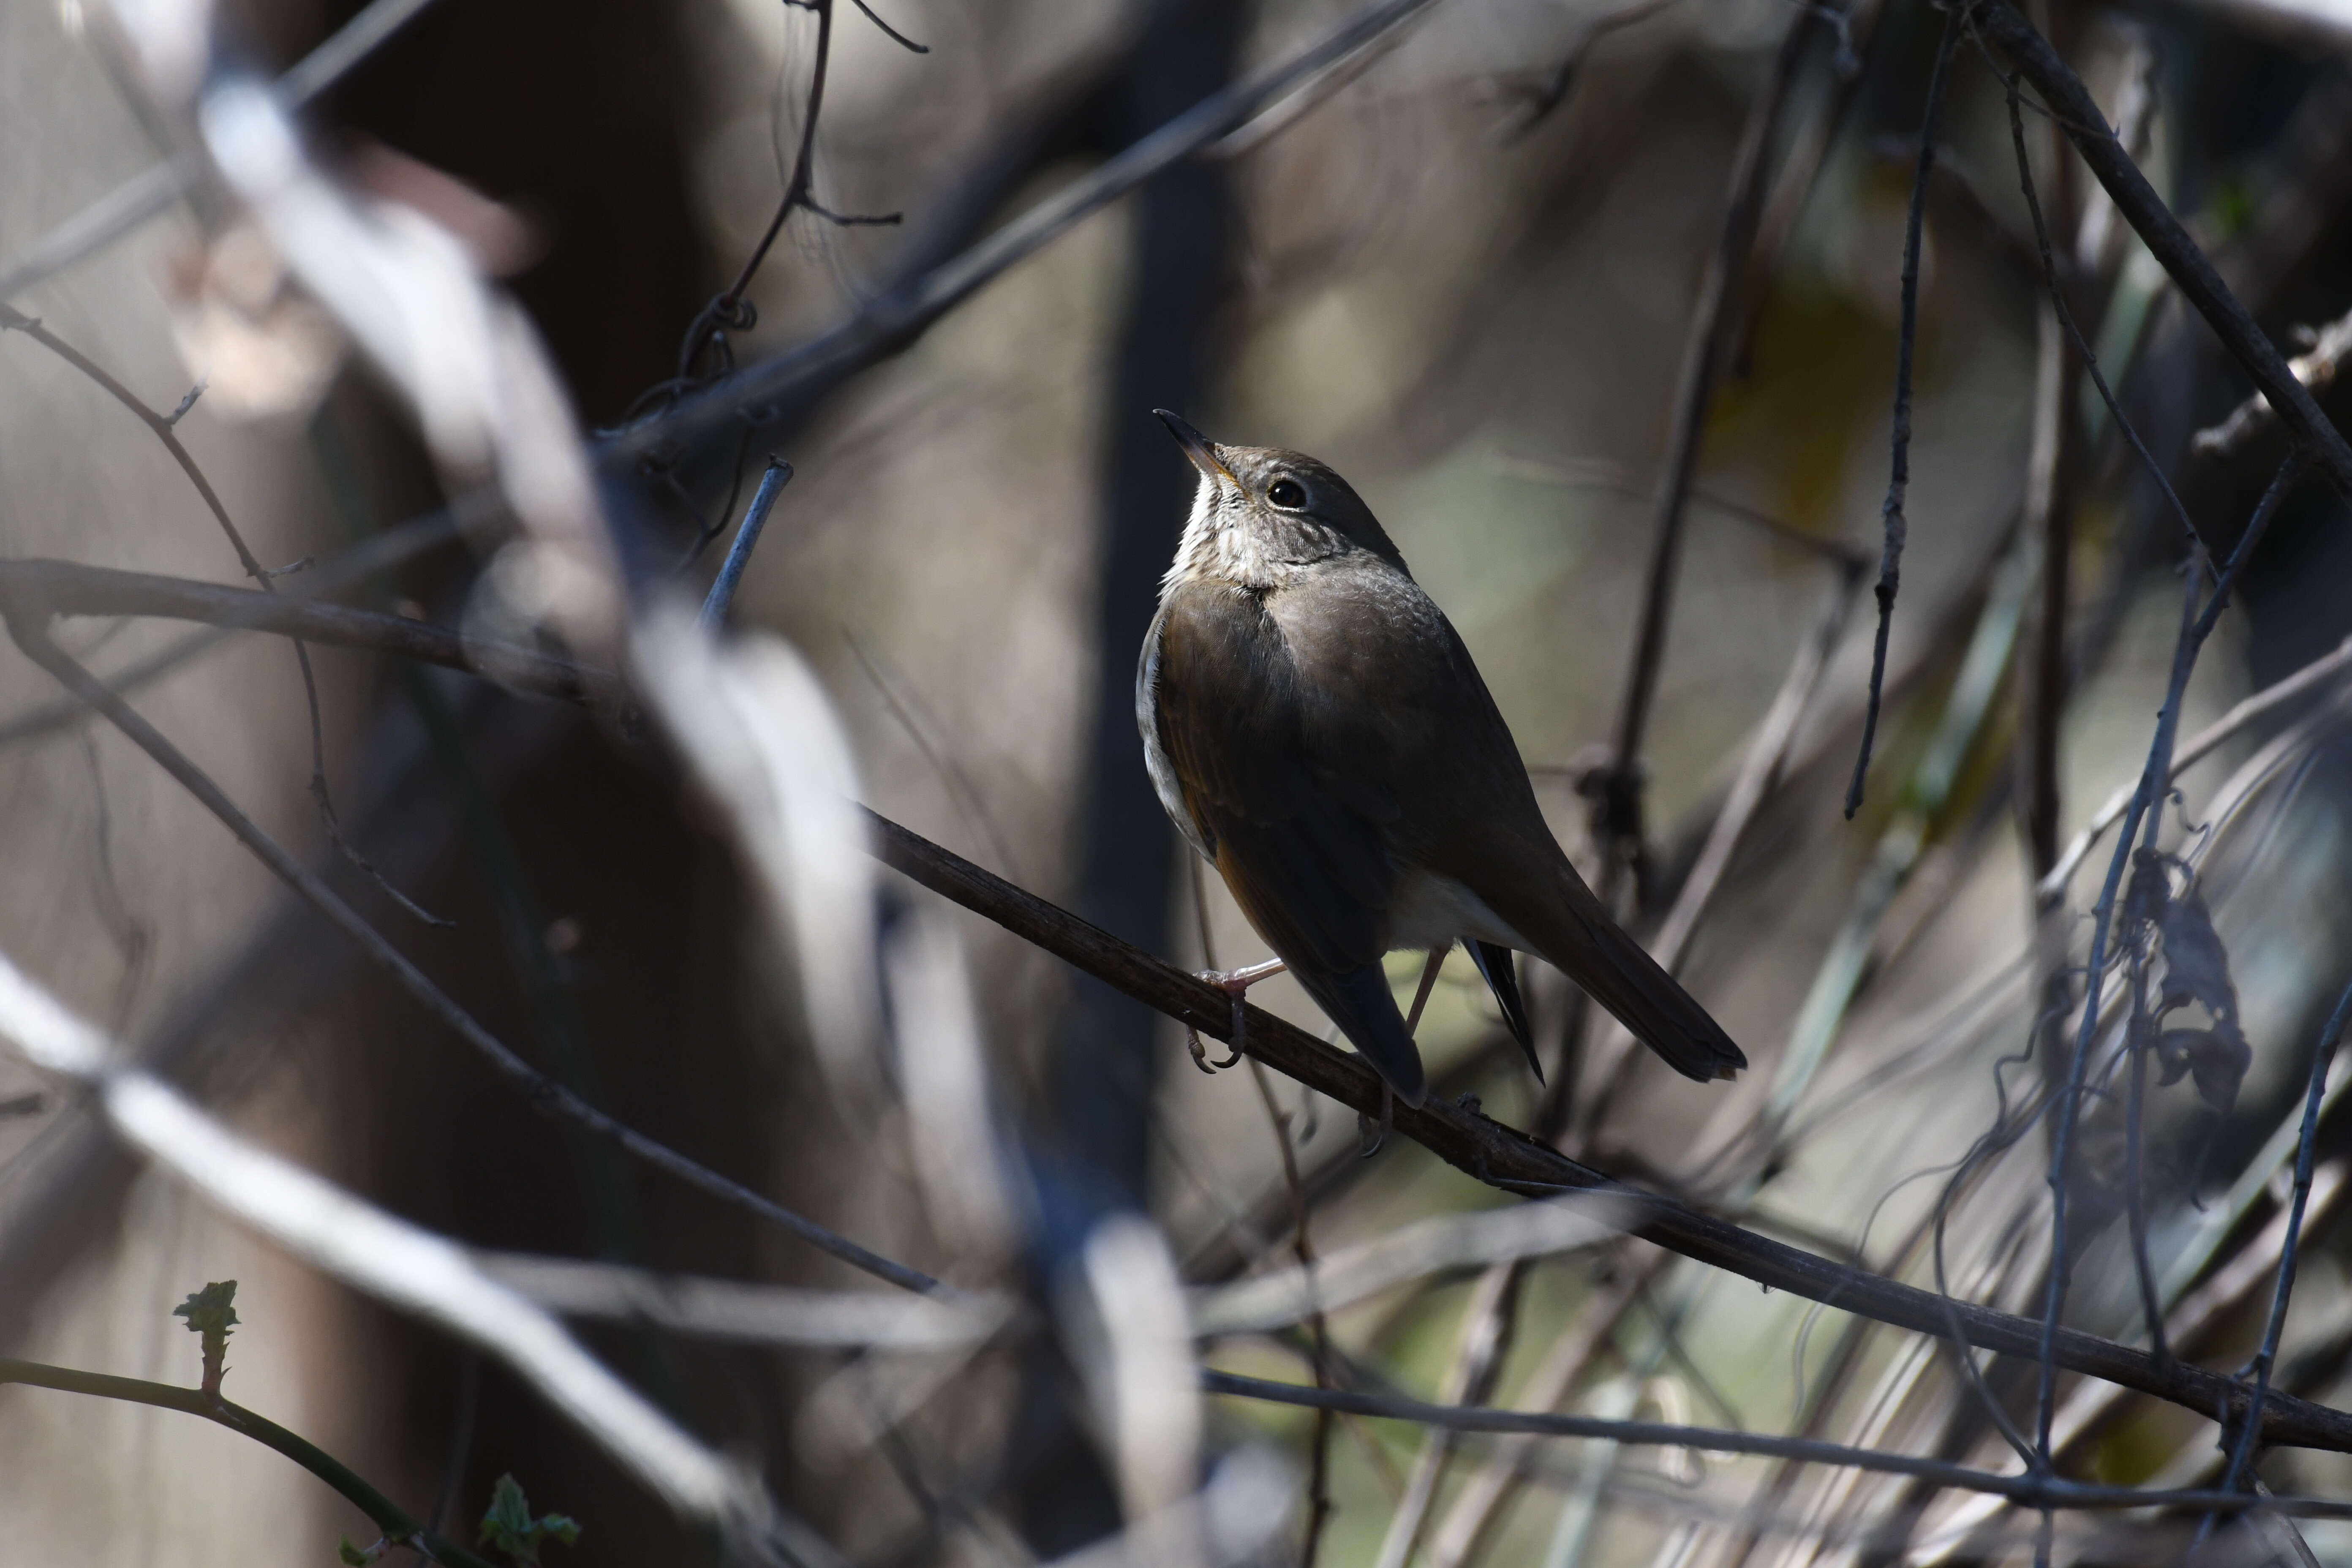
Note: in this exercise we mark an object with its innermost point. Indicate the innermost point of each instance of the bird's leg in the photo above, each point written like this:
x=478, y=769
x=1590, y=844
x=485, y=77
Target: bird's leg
x=1428, y=982
x=1237, y=980
x=1236, y=983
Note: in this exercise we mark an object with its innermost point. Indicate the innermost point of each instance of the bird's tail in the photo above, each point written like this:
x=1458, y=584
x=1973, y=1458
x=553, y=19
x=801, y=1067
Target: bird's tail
x=1616, y=973
x=1361, y=1003
x=1494, y=962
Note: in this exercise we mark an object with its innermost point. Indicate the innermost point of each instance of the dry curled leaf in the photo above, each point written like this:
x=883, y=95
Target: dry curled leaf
x=2216, y=1059
x=261, y=347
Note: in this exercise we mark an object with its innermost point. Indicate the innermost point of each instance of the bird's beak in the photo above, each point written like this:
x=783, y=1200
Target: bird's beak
x=1197, y=446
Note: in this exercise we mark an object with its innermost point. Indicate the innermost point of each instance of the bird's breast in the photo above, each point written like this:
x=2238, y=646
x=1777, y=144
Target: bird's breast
x=1428, y=911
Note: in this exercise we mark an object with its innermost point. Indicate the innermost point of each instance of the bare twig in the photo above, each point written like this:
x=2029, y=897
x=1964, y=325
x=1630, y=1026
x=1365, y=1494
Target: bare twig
x=1619, y=809
x=2322, y=1056
x=2320, y=672
x=412, y=1268
x=165, y=429
x=1302, y=1246
x=545, y=1093
x=738, y=554
x=399, y=1530
x=749, y=1314
x=2077, y=113
x=1759, y=769
x=64, y=588
x=1895, y=527
x=894, y=318
x=2197, y=625
x=2053, y=1493
x=730, y=311
x=2315, y=368
x=156, y=187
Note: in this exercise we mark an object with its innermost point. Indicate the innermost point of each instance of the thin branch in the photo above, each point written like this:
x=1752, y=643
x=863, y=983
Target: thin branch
x=2082, y=351
x=1603, y=475
x=154, y=188
x=545, y=1093
x=64, y=588
x=2320, y=672
x=2077, y=113
x=1894, y=525
x=2053, y=1493
x=748, y=1313
x=2315, y=368
x=417, y=538
x=2196, y=624
x=738, y=554
x=894, y=318
x=1302, y=1247
x=2323, y=1055
x=412, y=1268
x=1514, y=1162
x=399, y=1530
x=1619, y=811
x=730, y=311
x=1759, y=768
x=165, y=427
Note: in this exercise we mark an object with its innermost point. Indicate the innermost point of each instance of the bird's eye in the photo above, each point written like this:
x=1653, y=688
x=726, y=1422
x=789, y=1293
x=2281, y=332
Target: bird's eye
x=1288, y=494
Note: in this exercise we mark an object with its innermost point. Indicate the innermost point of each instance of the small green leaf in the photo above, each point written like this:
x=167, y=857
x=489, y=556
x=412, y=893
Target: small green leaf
x=509, y=1527
x=212, y=1313
x=357, y=1557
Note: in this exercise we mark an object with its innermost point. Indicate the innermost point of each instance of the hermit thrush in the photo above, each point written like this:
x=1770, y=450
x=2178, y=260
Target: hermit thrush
x=1317, y=730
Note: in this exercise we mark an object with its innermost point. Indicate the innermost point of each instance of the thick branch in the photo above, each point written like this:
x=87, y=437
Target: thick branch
x=2077, y=113
x=1507, y=1159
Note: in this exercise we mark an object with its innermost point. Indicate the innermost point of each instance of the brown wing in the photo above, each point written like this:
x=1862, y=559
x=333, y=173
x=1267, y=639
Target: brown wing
x=1304, y=855
x=1430, y=738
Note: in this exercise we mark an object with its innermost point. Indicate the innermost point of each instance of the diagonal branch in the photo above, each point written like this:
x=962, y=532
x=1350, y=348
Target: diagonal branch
x=891, y=321
x=1507, y=1159
x=545, y=1094
x=2077, y=114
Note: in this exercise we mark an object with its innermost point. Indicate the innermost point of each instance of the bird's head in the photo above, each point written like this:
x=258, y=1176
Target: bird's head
x=1284, y=509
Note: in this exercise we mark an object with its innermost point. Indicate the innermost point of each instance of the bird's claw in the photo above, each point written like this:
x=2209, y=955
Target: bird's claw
x=1201, y=1053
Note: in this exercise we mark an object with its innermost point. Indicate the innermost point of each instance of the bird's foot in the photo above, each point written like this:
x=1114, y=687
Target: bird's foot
x=1370, y=1134
x=1236, y=983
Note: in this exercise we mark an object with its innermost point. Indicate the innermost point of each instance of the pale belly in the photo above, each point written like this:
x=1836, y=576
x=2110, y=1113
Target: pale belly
x=1430, y=912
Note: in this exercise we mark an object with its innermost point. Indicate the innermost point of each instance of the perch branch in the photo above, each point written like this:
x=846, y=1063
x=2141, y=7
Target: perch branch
x=1509, y=1160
